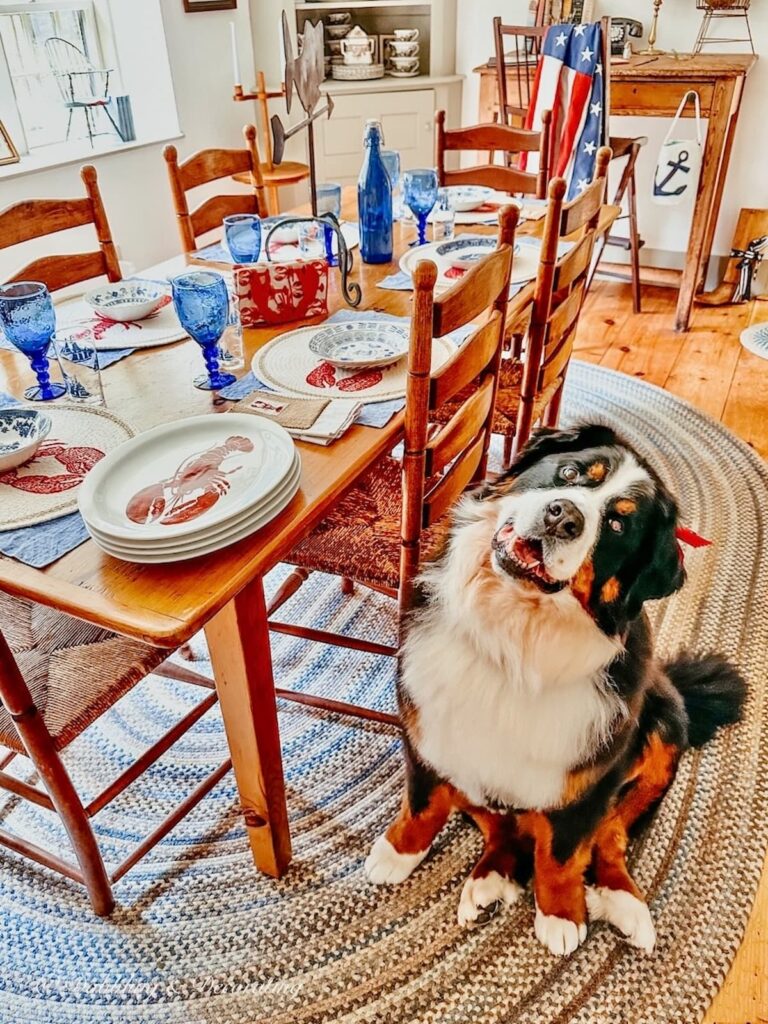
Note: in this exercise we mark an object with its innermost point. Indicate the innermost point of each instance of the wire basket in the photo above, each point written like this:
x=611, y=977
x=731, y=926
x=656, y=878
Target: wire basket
x=723, y=5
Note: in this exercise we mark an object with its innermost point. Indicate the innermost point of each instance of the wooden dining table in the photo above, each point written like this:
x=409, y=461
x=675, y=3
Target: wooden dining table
x=221, y=593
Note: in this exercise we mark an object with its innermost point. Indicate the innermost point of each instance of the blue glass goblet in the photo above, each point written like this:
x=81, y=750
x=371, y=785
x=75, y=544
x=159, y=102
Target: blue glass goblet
x=201, y=301
x=28, y=322
x=420, y=193
x=242, y=232
x=329, y=201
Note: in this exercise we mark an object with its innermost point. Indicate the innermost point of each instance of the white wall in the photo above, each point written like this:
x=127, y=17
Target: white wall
x=662, y=228
x=133, y=183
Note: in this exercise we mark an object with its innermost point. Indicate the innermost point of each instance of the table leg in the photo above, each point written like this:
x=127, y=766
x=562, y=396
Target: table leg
x=720, y=186
x=714, y=146
x=238, y=641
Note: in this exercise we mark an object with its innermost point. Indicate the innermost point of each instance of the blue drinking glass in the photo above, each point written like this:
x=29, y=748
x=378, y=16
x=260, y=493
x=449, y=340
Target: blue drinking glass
x=201, y=301
x=28, y=322
x=391, y=160
x=329, y=201
x=242, y=232
x=420, y=193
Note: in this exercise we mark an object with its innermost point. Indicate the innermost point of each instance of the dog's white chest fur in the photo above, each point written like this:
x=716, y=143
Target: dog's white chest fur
x=507, y=681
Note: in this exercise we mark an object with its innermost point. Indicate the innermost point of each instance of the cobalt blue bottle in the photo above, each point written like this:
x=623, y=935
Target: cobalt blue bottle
x=374, y=200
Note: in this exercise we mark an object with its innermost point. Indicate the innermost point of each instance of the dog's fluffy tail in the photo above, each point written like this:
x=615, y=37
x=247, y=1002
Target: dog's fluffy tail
x=713, y=691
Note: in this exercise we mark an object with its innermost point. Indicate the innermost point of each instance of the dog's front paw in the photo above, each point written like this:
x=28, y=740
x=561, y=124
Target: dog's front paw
x=558, y=934
x=385, y=866
x=480, y=894
x=624, y=911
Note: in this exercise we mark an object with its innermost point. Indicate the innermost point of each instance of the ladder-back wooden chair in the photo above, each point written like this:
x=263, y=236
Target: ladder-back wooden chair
x=35, y=218
x=57, y=676
x=515, y=75
x=542, y=319
x=494, y=137
x=211, y=165
x=384, y=526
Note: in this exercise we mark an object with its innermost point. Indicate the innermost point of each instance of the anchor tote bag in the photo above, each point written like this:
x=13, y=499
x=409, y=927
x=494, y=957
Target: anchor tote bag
x=679, y=163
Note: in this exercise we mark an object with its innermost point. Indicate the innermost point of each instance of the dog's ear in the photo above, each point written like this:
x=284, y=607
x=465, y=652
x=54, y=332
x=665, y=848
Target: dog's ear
x=664, y=573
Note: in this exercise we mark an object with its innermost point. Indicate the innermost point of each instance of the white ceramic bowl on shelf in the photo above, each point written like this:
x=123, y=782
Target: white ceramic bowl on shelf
x=405, y=65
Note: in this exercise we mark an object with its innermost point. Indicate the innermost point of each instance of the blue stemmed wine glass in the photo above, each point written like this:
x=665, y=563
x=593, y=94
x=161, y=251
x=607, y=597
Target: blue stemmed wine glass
x=242, y=232
x=28, y=321
x=420, y=193
x=201, y=301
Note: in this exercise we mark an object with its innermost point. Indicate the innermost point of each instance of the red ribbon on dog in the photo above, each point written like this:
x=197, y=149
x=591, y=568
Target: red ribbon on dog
x=690, y=537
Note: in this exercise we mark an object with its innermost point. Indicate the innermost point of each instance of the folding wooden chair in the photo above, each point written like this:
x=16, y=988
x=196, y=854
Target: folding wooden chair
x=211, y=165
x=35, y=218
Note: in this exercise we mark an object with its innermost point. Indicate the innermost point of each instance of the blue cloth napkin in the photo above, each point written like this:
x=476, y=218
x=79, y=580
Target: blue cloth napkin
x=399, y=282
x=43, y=543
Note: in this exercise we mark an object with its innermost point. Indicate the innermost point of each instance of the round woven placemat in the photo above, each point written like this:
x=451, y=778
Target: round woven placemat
x=200, y=938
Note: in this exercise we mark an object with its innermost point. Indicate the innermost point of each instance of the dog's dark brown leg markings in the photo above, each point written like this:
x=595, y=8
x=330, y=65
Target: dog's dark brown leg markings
x=493, y=880
x=406, y=842
x=615, y=897
x=561, y=910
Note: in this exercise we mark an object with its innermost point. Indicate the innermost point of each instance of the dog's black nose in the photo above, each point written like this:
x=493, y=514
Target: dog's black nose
x=563, y=520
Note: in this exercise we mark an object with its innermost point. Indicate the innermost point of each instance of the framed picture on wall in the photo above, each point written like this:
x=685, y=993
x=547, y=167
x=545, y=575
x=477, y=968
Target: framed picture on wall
x=193, y=6
x=8, y=152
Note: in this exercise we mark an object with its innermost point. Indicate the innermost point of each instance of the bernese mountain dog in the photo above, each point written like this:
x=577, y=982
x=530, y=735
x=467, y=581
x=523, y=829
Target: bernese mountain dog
x=530, y=694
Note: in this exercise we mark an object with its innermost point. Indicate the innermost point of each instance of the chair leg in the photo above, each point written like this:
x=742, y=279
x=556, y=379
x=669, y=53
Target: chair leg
x=273, y=199
x=53, y=774
x=634, y=237
x=552, y=412
x=88, y=124
x=347, y=585
x=287, y=589
x=506, y=458
x=69, y=123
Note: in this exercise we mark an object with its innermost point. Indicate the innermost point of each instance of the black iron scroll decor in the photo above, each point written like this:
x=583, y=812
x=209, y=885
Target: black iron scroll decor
x=349, y=289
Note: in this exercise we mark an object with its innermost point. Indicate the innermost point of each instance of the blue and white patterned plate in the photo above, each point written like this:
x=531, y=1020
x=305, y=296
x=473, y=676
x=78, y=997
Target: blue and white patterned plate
x=755, y=339
x=21, y=433
x=360, y=343
x=464, y=198
x=127, y=300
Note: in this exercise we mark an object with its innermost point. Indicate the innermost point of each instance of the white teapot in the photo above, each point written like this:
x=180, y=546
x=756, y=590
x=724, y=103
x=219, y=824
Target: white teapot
x=357, y=47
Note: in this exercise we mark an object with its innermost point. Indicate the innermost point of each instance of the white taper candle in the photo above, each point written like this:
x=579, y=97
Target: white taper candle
x=235, y=62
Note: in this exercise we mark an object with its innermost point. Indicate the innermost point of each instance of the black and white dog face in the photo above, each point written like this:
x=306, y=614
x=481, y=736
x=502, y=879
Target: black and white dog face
x=581, y=509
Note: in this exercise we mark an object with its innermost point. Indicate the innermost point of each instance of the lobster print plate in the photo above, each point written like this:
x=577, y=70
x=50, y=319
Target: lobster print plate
x=239, y=528
x=46, y=486
x=187, y=478
x=288, y=364
x=160, y=328
x=454, y=258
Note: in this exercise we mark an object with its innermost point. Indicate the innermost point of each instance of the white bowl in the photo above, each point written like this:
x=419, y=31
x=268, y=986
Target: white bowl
x=406, y=35
x=337, y=31
x=339, y=18
x=127, y=300
x=21, y=433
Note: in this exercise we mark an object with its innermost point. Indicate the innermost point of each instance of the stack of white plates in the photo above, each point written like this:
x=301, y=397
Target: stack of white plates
x=188, y=488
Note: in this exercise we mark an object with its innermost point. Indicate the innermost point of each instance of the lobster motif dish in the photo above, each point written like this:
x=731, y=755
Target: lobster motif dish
x=127, y=300
x=186, y=478
x=21, y=433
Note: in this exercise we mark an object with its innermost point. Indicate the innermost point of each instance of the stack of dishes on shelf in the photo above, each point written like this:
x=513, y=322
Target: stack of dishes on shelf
x=401, y=56
x=189, y=488
x=337, y=26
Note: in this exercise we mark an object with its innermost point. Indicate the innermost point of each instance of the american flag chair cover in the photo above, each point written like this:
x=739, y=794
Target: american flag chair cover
x=569, y=81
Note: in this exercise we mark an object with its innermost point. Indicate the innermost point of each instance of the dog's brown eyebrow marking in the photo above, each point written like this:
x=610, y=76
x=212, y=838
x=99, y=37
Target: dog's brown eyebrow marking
x=610, y=590
x=597, y=471
x=626, y=506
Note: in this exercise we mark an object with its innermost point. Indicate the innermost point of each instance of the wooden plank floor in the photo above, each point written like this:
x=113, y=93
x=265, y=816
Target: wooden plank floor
x=709, y=368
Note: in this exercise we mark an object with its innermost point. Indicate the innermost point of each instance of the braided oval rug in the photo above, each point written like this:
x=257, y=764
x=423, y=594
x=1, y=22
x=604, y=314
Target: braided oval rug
x=198, y=937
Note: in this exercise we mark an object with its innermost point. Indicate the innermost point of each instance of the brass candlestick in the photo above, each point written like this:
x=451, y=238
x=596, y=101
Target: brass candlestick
x=651, y=48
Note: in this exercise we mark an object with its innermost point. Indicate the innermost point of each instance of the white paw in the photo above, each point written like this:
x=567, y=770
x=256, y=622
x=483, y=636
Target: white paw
x=385, y=866
x=558, y=934
x=479, y=893
x=624, y=911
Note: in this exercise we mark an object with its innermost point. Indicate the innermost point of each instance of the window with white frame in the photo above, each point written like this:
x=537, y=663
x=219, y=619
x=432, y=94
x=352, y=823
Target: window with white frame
x=54, y=60
x=77, y=74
